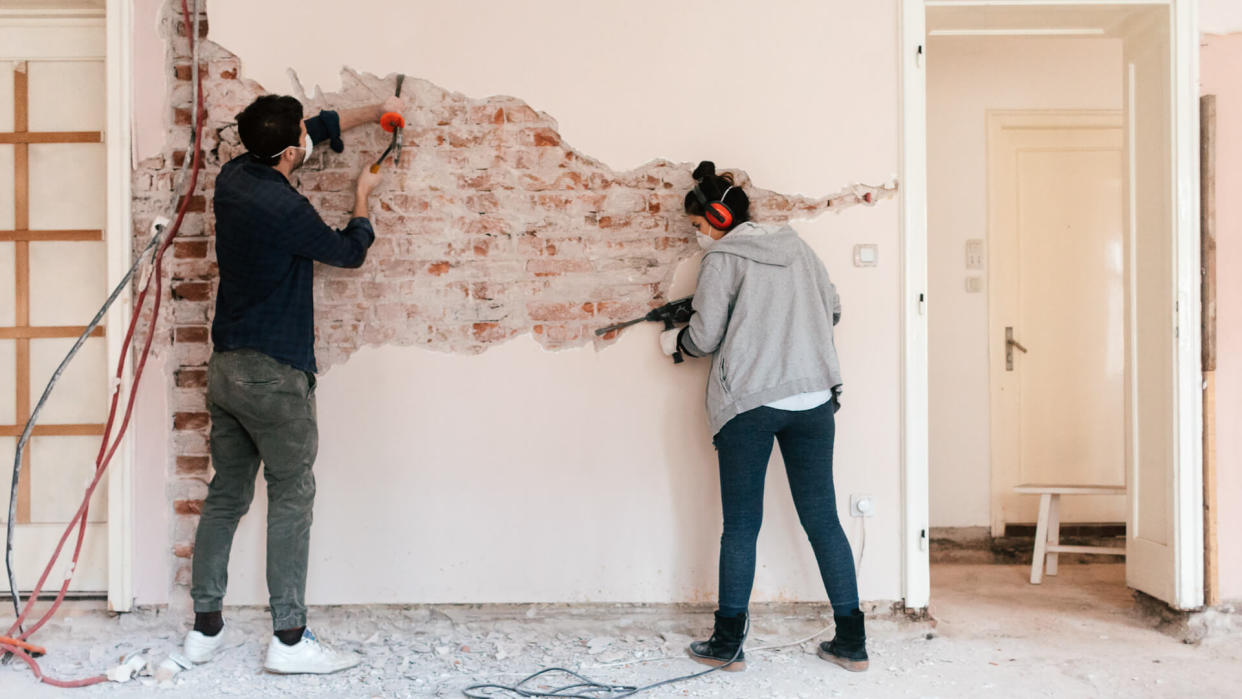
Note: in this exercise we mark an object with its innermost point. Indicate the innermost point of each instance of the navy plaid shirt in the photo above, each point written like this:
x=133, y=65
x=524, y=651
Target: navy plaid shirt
x=268, y=237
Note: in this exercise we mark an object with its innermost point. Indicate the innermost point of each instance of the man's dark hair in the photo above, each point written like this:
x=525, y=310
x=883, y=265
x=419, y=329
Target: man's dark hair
x=269, y=125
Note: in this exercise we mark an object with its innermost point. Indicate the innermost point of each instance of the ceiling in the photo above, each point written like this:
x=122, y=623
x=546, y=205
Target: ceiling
x=1016, y=18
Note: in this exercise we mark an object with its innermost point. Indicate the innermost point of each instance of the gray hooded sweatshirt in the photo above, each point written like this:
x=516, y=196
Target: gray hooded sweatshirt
x=765, y=309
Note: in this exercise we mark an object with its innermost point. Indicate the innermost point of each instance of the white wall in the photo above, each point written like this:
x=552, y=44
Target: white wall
x=967, y=77
x=1220, y=16
x=524, y=475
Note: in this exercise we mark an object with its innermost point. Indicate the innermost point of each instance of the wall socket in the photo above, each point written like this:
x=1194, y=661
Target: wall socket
x=862, y=505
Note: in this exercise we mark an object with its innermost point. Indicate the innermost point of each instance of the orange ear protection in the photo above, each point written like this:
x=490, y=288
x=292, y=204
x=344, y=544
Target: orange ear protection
x=717, y=213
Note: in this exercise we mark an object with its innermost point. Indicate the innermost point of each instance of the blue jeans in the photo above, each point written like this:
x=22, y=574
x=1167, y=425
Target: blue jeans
x=743, y=447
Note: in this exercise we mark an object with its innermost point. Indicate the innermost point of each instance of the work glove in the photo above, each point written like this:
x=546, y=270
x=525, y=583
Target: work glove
x=836, y=397
x=668, y=341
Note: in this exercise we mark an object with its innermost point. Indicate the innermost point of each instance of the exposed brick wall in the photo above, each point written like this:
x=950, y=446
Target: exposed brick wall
x=490, y=227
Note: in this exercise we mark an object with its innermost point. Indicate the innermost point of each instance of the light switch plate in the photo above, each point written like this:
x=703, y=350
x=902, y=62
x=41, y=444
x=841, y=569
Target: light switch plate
x=974, y=253
x=974, y=285
x=866, y=255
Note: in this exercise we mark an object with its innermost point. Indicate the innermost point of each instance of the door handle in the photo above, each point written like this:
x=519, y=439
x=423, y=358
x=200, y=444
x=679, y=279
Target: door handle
x=1010, y=344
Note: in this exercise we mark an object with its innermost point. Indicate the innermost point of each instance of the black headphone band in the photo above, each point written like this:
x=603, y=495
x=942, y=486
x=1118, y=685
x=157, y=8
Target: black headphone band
x=700, y=196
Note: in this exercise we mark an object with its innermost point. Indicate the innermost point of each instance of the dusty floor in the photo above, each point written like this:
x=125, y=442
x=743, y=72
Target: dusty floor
x=995, y=636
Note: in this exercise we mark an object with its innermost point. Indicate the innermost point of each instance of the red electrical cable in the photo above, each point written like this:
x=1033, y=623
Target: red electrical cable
x=104, y=458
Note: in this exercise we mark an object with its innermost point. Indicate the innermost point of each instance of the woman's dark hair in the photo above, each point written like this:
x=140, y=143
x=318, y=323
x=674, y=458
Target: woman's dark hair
x=712, y=186
x=269, y=125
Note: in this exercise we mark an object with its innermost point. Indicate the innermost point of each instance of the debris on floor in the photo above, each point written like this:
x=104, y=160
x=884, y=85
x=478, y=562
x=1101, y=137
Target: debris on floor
x=994, y=634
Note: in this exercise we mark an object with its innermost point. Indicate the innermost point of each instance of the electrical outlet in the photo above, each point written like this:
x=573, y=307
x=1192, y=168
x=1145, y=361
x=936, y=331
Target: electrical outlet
x=862, y=505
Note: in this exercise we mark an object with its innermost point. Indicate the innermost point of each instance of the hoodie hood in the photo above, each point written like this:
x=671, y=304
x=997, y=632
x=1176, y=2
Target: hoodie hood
x=777, y=244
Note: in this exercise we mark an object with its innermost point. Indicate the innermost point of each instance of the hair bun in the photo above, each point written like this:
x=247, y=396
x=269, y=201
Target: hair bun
x=705, y=169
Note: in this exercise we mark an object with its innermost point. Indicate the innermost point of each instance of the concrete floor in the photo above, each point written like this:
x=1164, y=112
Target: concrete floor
x=1077, y=635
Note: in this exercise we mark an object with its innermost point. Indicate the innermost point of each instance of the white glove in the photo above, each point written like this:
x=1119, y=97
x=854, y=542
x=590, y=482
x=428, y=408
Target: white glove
x=668, y=341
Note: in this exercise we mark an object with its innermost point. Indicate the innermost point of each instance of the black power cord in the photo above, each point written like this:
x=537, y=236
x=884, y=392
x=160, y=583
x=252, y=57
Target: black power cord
x=587, y=688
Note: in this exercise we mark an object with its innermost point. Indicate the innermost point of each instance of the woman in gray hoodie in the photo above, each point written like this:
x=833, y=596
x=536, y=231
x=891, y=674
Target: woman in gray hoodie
x=764, y=312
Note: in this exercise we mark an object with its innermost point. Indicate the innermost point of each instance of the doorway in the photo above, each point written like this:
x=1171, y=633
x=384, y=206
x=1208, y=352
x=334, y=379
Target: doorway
x=1055, y=235
x=64, y=216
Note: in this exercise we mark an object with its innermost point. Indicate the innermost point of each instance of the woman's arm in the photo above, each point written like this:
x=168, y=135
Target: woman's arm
x=712, y=300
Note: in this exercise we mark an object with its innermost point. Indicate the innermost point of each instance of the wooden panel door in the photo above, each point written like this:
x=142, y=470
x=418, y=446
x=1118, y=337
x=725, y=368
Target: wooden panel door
x=1058, y=291
x=54, y=269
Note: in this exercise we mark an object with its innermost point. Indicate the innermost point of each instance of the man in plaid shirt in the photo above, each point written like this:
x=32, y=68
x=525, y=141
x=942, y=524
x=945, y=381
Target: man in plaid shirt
x=261, y=376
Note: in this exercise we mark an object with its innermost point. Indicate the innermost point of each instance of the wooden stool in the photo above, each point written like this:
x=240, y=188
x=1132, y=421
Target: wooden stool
x=1048, y=528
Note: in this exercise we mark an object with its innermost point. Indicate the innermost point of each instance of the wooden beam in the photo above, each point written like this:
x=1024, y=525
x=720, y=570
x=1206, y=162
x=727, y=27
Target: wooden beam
x=23, y=414
x=21, y=204
x=1207, y=165
x=76, y=430
x=52, y=137
x=20, y=97
x=44, y=332
x=52, y=235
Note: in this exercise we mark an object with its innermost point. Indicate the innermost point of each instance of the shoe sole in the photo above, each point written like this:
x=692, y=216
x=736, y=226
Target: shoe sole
x=270, y=671
x=851, y=665
x=725, y=665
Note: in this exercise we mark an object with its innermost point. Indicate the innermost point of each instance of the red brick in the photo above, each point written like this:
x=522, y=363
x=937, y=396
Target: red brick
x=183, y=550
x=190, y=249
x=188, y=507
x=191, y=378
x=614, y=221
x=191, y=421
x=438, y=269
x=559, y=334
x=192, y=291
x=488, y=225
x=191, y=333
x=560, y=311
x=621, y=310
x=490, y=332
x=198, y=203
x=548, y=268
x=521, y=113
x=192, y=465
x=178, y=159
x=183, y=31
x=546, y=137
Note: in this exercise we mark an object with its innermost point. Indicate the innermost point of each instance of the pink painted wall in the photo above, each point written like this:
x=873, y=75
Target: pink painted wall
x=150, y=80
x=469, y=464
x=1221, y=65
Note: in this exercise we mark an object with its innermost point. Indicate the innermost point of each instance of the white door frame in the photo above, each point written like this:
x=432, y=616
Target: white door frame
x=1188, y=474
x=119, y=235
x=115, y=49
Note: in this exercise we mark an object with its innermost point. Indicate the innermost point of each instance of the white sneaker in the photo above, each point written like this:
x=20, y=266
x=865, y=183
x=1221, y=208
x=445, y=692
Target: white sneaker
x=307, y=656
x=200, y=648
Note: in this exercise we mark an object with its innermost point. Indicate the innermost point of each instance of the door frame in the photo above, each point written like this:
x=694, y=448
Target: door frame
x=115, y=50
x=1187, y=468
